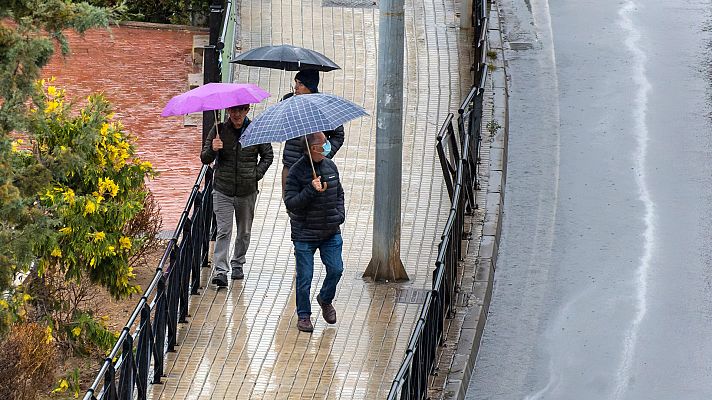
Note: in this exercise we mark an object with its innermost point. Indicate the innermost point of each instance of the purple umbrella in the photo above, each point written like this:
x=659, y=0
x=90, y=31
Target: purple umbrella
x=214, y=96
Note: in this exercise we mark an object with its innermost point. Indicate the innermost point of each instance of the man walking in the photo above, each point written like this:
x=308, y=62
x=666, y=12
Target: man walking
x=316, y=210
x=237, y=171
x=307, y=82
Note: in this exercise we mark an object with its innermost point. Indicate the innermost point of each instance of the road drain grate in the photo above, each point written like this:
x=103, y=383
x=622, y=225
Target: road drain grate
x=349, y=3
x=516, y=46
x=411, y=296
x=417, y=296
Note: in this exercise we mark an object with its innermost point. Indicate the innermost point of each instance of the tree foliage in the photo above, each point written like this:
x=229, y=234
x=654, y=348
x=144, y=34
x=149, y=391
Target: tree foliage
x=74, y=208
x=186, y=12
x=28, y=31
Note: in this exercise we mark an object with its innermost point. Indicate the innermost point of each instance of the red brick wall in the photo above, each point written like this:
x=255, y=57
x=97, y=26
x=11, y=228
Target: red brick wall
x=139, y=70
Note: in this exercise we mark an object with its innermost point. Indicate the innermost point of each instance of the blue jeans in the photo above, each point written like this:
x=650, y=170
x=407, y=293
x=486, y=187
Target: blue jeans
x=330, y=251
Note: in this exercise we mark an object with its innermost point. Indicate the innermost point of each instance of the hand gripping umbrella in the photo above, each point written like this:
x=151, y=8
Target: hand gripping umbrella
x=299, y=116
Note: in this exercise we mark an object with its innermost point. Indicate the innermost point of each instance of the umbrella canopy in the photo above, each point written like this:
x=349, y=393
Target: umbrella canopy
x=214, y=96
x=286, y=57
x=300, y=115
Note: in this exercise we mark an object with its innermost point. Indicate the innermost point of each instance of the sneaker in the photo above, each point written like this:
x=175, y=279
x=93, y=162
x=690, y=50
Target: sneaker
x=327, y=311
x=305, y=324
x=220, y=280
x=237, y=273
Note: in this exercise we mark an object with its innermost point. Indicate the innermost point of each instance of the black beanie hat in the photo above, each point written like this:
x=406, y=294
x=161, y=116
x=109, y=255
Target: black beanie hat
x=309, y=78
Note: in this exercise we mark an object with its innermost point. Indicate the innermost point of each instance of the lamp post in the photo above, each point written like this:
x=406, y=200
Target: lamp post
x=385, y=264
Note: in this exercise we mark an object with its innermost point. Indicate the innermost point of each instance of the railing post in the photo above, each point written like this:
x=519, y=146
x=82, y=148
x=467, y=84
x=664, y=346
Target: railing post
x=198, y=238
x=143, y=352
x=184, y=259
x=173, y=286
x=110, y=383
x=159, y=330
x=128, y=370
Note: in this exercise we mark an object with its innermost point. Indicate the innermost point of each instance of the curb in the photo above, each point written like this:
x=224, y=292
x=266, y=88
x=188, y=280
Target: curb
x=492, y=175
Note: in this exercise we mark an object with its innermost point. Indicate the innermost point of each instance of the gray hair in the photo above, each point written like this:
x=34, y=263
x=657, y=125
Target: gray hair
x=311, y=138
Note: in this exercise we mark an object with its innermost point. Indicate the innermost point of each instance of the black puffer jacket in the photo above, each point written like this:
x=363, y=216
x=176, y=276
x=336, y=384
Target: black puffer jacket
x=314, y=216
x=294, y=148
x=237, y=170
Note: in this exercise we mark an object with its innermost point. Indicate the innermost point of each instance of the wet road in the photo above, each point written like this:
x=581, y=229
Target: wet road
x=603, y=282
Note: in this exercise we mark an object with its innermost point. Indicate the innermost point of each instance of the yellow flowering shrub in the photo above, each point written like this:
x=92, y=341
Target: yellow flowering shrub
x=97, y=188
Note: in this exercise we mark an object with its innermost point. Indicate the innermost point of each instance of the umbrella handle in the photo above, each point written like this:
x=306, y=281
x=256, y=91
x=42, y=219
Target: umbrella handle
x=311, y=161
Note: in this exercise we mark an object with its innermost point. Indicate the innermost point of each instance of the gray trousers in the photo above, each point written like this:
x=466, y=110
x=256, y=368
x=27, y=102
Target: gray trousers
x=227, y=209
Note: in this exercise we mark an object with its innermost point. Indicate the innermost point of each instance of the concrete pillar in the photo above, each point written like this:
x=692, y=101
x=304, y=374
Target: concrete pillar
x=385, y=264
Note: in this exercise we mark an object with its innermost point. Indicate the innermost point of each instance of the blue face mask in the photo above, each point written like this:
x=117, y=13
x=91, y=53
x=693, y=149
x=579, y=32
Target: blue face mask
x=326, y=149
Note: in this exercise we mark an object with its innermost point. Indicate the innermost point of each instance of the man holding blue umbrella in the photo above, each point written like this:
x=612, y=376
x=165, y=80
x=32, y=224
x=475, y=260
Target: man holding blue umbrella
x=313, y=194
x=237, y=171
x=307, y=82
x=314, y=198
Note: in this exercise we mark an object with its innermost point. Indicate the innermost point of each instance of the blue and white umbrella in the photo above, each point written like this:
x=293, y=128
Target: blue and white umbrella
x=298, y=116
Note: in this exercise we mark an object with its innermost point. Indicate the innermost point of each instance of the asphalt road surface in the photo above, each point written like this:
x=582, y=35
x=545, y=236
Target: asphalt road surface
x=603, y=287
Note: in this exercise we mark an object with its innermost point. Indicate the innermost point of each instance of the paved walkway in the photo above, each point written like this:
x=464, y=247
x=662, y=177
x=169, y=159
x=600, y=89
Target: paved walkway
x=243, y=342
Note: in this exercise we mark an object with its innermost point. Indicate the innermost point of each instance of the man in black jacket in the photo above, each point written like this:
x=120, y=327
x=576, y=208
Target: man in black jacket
x=237, y=171
x=316, y=210
x=307, y=82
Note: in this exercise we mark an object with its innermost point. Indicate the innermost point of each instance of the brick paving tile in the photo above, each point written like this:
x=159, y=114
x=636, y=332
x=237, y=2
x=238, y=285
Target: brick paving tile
x=242, y=342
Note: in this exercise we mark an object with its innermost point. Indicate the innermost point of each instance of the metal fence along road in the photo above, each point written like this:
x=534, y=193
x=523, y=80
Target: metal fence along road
x=459, y=158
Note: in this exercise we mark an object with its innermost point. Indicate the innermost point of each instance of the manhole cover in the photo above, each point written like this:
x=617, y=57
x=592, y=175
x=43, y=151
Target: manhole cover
x=350, y=3
x=411, y=296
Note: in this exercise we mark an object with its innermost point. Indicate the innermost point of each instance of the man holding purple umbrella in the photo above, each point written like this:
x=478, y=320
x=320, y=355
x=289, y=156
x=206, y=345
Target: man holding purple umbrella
x=237, y=172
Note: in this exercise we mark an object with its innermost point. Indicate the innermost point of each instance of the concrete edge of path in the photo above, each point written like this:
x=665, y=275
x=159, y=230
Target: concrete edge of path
x=484, y=256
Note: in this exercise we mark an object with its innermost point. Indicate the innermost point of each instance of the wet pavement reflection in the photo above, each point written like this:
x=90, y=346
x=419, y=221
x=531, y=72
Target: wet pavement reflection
x=242, y=342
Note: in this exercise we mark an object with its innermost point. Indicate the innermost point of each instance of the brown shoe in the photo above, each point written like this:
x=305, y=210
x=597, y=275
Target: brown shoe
x=327, y=311
x=305, y=325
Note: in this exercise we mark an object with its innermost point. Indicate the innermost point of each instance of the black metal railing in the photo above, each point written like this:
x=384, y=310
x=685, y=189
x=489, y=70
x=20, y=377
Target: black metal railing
x=163, y=305
x=458, y=146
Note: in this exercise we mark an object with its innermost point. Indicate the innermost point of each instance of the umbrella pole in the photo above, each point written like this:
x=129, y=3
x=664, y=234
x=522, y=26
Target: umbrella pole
x=215, y=115
x=311, y=162
x=281, y=82
x=217, y=133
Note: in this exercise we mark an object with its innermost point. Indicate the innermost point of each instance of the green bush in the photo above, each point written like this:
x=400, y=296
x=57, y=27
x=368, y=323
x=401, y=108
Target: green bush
x=190, y=12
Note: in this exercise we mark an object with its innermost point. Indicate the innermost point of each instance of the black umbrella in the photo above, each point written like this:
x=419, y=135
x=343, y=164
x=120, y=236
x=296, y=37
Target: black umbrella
x=286, y=57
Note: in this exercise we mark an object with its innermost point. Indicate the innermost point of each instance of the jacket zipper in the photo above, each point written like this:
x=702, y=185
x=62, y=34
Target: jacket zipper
x=237, y=160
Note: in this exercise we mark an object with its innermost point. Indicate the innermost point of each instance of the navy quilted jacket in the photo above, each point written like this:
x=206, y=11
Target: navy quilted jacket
x=314, y=216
